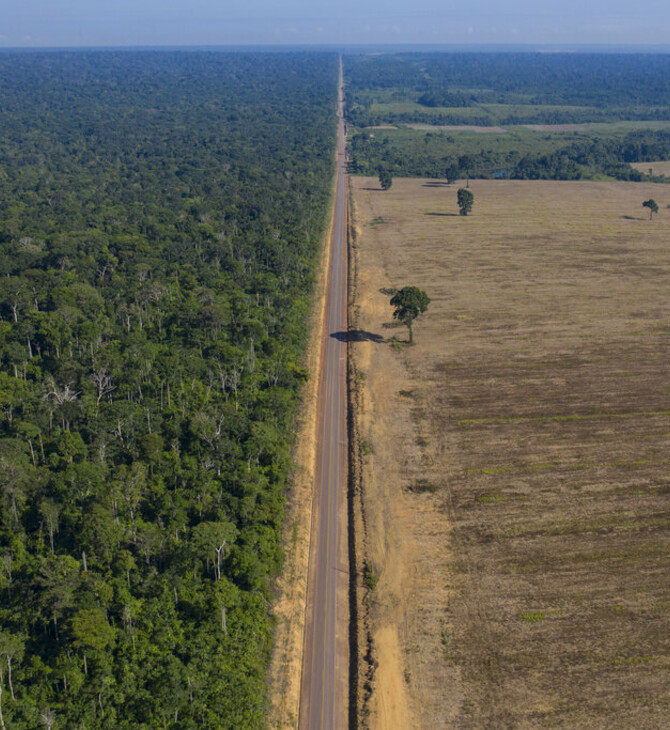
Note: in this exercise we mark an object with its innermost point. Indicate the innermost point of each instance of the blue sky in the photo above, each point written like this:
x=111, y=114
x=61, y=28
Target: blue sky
x=225, y=22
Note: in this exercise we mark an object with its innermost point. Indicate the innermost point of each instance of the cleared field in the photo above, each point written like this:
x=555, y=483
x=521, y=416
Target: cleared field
x=658, y=168
x=516, y=477
x=458, y=128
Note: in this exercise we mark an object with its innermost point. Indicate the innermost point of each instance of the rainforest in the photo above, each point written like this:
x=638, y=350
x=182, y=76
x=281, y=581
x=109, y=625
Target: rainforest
x=160, y=219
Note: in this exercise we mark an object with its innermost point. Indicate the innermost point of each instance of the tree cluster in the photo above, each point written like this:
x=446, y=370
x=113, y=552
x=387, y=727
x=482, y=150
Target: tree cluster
x=585, y=158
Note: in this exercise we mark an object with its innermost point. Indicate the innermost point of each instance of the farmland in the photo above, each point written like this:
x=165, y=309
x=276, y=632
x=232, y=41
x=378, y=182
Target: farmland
x=515, y=487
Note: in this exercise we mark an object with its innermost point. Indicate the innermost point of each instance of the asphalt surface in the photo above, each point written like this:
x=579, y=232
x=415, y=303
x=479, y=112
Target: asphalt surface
x=323, y=698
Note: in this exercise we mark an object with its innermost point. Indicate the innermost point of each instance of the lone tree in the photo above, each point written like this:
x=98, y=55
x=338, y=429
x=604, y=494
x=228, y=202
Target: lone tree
x=409, y=303
x=466, y=162
x=652, y=205
x=452, y=174
x=385, y=179
x=465, y=201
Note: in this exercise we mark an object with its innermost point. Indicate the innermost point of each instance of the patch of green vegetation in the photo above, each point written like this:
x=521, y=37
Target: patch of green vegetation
x=575, y=465
x=406, y=393
x=515, y=568
x=370, y=577
x=377, y=221
x=490, y=498
x=445, y=639
x=633, y=660
x=537, y=616
x=397, y=344
x=532, y=618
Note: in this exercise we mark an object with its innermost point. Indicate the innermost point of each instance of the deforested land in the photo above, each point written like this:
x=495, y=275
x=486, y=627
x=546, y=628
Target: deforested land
x=161, y=219
x=515, y=545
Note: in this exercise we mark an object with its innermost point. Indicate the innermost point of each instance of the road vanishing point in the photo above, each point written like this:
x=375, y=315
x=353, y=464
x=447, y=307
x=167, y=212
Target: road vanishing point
x=324, y=690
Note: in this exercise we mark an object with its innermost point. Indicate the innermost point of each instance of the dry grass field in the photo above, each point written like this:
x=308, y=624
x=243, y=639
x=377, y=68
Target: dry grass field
x=516, y=477
x=658, y=168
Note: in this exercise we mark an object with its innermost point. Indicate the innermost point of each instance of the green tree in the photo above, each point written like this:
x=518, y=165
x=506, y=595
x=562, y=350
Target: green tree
x=652, y=205
x=452, y=174
x=465, y=201
x=58, y=578
x=11, y=648
x=385, y=179
x=91, y=632
x=409, y=302
x=211, y=539
x=466, y=163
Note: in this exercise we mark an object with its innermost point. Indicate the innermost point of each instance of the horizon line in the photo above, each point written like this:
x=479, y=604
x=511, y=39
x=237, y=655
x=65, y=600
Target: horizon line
x=556, y=47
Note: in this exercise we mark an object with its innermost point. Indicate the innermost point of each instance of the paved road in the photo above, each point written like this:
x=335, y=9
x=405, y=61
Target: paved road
x=323, y=699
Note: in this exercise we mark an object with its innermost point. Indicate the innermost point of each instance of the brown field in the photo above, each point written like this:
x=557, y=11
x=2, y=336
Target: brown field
x=557, y=127
x=458, y=128
x=659, y=168
x=516, y=480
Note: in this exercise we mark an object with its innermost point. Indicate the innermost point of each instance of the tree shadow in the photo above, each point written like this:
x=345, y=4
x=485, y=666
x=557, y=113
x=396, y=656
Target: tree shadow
x=436, y=185
x=373, y=190
x=632, y=218
x=358, y=336
x=443, y=215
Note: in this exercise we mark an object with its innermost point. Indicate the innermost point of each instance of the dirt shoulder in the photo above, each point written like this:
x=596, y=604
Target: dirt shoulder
x=516, y=499
x=404, y=546
x=286, y=667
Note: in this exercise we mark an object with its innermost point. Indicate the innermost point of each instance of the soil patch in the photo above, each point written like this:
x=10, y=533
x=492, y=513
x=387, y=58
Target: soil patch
x=657, y=168
x=459, y=128
x=557, y=127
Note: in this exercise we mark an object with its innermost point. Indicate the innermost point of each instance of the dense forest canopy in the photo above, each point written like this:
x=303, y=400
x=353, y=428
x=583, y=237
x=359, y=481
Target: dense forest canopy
x=505, y=91
x=160, y=219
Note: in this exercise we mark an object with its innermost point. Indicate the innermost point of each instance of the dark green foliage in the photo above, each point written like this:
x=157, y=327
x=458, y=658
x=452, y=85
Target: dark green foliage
x=556, y=157
x=408, y=303
x=465, y=201
x=370, y=577
x=652, y=205
x=160, y=218
x=385, y=179
x=452, y=174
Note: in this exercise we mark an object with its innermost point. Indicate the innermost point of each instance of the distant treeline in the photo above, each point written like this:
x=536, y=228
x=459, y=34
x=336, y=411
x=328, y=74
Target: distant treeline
x=160, y=220
x=604, y=87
